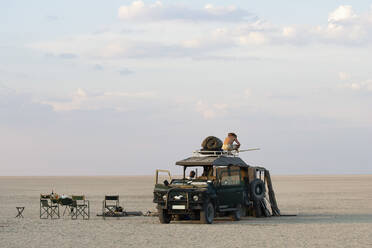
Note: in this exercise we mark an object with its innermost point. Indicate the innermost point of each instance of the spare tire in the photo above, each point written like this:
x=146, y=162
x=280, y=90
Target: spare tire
x=212, y=143
x=257, y=189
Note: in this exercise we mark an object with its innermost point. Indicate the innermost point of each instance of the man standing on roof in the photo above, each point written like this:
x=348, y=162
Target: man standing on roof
x=228, y=144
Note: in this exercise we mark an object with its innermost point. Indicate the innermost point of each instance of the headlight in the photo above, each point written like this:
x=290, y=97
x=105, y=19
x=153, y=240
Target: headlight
x=195, y=198
x=164, y=197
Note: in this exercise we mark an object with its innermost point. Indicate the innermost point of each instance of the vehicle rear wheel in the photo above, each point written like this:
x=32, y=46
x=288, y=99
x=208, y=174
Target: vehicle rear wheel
x=207, y=214
x=164, y=217
x=237, y=215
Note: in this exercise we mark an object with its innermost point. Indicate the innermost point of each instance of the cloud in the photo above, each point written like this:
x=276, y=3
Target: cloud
x=255, y=38
x=115, y=100
x=344, y=27
x=224, y=28
x=28, y=123
x=68, y=56
x=343, y=76
x=52, y=18
x=211, y=111
x=140, y=11
x=144, y=94
x=61, y=54
x=98, y=67
x=21, y=109
x=247, y=92
x=226, y=58
x=125, y=71
x=120, y=46
x=342, y=13
x=364, y=86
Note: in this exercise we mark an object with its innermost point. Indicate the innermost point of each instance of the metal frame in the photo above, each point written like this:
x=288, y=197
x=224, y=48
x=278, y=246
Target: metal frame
x=48, y=208
x=157, y=175
x=200, y=153
x=233, y=153
x=108, y=210
x=80, y=207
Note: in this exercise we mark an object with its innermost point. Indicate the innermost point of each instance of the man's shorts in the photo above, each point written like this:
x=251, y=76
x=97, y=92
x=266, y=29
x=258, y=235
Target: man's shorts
x=229, y=147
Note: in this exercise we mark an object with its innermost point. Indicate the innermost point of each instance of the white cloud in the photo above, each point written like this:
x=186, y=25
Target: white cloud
x=144, y=94
x=185, y=39
x=111, y=45
x=137, y=9
x=247, y=92
x=344, y=27
x=140, y=11
x=342, y=13
x=80, y=93
x=365, y=86
x=219, y=10
x=289, y=32
x=256, y=38
x=81, y=100
x=343, y=76
x=211, y=111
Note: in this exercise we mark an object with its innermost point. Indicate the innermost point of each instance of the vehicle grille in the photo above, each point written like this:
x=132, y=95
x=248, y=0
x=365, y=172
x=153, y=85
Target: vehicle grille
x=177, y=196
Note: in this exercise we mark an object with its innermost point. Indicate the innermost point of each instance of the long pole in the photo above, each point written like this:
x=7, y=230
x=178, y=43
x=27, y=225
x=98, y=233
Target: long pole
x=248, y=150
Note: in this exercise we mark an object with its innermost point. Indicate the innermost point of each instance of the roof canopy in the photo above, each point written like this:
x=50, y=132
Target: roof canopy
x=212, y=161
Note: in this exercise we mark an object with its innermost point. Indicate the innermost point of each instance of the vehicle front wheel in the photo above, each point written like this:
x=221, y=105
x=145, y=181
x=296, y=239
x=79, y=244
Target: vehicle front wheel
x=164, y=217
x=237, y=215
x=207, y=214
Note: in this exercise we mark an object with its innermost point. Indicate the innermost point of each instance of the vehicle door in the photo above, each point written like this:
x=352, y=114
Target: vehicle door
x=230, y=187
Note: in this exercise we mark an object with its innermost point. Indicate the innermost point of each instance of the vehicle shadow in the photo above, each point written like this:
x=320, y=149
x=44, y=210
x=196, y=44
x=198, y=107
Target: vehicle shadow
x=298, y=219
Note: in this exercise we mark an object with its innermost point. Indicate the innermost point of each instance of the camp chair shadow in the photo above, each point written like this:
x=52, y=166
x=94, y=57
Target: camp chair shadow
x=110, y=205
x=48, y=208
x=80, y=207
x=68, y=209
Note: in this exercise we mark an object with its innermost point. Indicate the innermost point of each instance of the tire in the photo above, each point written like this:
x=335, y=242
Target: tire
x=212, y=143
x=207, y=214
x=164, y=217
x=257, y=189
x=237, y=215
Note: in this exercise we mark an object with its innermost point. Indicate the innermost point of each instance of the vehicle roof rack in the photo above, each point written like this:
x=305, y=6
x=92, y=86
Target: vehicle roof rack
x=202, y=153
x=233, y=153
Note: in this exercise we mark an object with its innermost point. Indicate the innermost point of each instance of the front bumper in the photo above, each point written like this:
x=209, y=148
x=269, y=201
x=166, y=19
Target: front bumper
x=180, y=207
x=179, y=201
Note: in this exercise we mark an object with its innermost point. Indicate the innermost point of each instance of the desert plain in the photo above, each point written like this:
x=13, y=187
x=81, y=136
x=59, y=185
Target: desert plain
x=332, y=211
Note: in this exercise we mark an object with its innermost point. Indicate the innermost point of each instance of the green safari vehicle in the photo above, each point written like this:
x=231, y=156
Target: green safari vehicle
x=227, y=187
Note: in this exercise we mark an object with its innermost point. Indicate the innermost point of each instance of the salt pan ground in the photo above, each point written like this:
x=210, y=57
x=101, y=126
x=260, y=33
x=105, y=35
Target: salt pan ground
x=332, y=211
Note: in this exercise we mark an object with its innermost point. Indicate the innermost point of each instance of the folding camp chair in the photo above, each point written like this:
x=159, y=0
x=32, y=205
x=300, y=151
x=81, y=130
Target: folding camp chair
x=48, y=208
x=20, y=211
x=110, y=206
x=80, y=207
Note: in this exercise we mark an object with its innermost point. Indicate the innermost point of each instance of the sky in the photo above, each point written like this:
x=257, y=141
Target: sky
x=126, y=87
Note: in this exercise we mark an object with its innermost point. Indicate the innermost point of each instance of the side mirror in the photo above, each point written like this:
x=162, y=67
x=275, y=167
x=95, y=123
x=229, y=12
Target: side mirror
x=166, y=183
